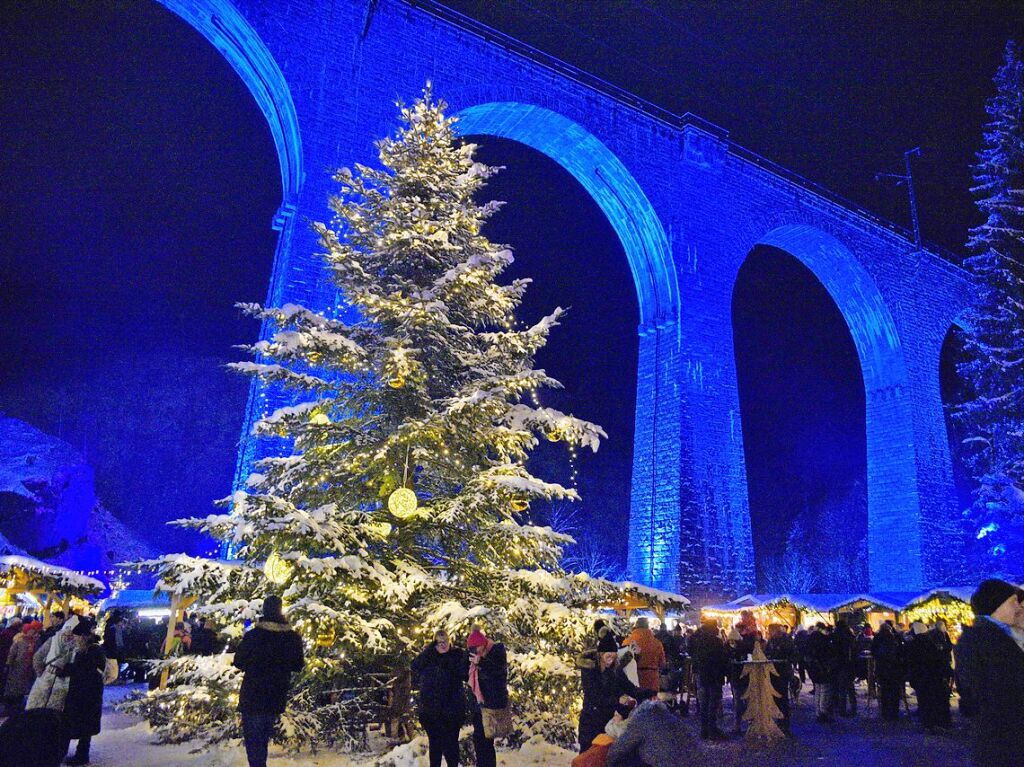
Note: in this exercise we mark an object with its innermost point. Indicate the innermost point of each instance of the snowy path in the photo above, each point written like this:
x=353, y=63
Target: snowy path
x=863, y=740
x=126, y=742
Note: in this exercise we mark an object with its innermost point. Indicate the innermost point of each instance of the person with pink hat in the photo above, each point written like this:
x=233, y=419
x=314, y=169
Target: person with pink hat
x=488, y=681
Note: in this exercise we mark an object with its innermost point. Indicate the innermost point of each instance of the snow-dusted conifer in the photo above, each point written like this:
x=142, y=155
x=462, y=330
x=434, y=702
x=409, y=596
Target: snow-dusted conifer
x=424, y=391
x=992, y=417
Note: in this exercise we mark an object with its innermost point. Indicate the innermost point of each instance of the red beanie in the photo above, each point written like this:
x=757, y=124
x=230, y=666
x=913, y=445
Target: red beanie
x=476, y=639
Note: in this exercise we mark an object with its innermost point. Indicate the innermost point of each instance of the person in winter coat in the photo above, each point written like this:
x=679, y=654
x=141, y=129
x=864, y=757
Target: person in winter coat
x=488, y=682
x=711, y=665
x=887, y=650
x=652, y=655
x=929, y=672
x=19, y=667
x=7, y=636
x=114, y=637
x=440, y=672
x=268, y=655
x=83, y=708
x=821, y=661
x=741, y=645
x=57, y=621
x=990, y=672
x=605, y=687
x=844, y=694
x=50, y=689
x=654, y=737
x=780, y=648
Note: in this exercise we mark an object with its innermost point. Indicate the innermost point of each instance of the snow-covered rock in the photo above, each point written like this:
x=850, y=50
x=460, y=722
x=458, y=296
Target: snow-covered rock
x=48, y=504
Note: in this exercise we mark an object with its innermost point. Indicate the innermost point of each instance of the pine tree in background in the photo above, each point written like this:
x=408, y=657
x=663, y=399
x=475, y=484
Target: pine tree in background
x=401, y=509
x=991, y=419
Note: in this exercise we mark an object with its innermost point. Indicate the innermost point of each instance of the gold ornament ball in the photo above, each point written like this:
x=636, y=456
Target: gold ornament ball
x=276, y=569
x=554, y=435
x=397, y=382
x=320, y=419
x=402, y=503
x=520, y=503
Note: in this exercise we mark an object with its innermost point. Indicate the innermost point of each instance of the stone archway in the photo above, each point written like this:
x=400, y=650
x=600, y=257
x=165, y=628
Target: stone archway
x=654, y=512
x=894, y=511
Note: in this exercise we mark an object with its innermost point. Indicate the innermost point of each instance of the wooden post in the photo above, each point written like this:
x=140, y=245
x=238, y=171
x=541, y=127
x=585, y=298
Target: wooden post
x=179, y=604
x=47, y=612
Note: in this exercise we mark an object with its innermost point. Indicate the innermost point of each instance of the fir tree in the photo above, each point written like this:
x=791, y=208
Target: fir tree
x=991, y=420
x=402, y=507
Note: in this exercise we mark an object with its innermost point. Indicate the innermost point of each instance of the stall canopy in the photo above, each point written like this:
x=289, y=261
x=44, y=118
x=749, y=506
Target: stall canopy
x=51, y=586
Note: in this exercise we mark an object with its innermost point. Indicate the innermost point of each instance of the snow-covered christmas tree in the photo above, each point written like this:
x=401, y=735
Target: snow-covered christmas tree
x=402, y=506
x=991, y=419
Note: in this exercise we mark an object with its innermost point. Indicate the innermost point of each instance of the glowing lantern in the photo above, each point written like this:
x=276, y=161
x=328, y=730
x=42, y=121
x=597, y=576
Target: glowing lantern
x=519, y=503
x=402, y=503
x=326, y=637
x=276, y=569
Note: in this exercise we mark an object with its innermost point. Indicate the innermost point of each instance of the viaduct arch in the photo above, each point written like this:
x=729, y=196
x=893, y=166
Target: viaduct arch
x=688, y=205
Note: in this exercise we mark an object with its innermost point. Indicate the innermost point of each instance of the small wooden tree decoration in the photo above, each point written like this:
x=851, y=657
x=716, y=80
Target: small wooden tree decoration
x=760, y=696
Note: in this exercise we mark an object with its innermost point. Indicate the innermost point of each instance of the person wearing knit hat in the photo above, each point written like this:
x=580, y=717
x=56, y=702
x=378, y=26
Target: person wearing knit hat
x=488, y=682
x=990, y=674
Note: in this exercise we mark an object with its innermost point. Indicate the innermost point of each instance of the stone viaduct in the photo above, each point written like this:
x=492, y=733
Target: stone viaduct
x=688, y=204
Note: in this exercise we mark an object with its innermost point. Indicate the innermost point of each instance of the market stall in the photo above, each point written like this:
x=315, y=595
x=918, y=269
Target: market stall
x=47, y=588
x=637, y=598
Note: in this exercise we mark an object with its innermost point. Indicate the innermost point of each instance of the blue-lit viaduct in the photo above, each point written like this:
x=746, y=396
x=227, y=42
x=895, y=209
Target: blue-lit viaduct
x=688, y=206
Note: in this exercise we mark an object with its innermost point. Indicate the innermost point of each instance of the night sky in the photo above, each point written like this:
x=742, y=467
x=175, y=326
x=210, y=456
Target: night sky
x=140, y=180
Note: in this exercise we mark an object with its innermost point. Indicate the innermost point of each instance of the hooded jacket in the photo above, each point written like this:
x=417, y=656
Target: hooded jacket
x=268, y=655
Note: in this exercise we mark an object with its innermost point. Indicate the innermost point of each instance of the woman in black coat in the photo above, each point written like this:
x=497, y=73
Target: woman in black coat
x=887, y=650
x=83, y=708
x=440, y=672
x=604, y=683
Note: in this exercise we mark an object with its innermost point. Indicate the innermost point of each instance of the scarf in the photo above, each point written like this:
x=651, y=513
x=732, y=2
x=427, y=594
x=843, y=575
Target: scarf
x=474, y=670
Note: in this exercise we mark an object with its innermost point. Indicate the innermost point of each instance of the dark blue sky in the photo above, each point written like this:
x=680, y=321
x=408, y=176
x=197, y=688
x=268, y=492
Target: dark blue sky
x=140, y=180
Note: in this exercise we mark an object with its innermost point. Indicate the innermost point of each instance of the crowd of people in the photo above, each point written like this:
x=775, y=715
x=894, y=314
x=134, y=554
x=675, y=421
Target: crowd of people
x=662, y=668
x=636, y=688
x=53, y=682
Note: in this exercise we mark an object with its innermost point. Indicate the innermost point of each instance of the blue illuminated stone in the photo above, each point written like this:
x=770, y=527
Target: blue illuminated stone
x=688, y=206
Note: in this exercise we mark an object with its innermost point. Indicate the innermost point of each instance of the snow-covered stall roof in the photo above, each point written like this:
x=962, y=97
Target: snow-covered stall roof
x=47, y=577
x=653, y=595
x=959, y=593
x=897, y=601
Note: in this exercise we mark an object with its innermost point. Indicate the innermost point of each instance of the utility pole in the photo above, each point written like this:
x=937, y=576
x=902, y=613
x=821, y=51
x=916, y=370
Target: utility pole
x=908, y=178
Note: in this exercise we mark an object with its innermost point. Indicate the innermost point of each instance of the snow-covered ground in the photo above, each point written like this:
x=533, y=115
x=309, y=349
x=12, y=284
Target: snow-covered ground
x=126, y=742
x=862, y=740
